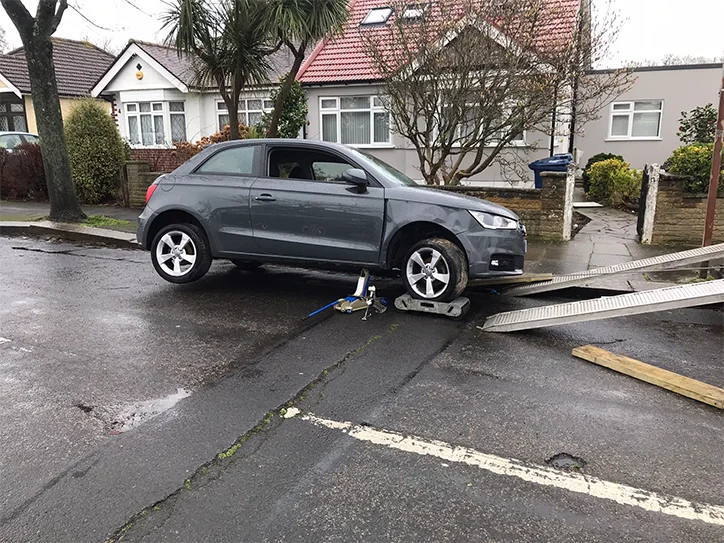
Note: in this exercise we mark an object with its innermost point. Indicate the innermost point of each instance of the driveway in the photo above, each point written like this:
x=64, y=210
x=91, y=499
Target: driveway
x=94, y=345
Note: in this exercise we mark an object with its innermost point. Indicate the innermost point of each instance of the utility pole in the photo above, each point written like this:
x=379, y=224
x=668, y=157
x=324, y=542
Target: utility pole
x=714, y=179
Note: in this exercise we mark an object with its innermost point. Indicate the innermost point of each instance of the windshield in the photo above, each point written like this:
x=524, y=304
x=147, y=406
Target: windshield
x=393, y=174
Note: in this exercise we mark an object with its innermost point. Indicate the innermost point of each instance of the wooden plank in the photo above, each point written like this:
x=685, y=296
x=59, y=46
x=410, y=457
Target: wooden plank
x=669, y=380
x=525, y=278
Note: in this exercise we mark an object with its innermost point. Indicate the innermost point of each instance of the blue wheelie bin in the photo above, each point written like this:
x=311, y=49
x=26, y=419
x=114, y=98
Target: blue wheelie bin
x=555, y=163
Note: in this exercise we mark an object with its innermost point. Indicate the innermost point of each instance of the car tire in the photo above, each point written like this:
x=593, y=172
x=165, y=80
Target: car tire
x=435, y=270
x=245, y=265
x=181, y=253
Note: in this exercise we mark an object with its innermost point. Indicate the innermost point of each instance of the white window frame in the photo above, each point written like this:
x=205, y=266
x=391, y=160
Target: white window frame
x=494, y=142
x=165, y=114
x=630, y=112
x=336, y=111
x=377, y=16
x=221, y=109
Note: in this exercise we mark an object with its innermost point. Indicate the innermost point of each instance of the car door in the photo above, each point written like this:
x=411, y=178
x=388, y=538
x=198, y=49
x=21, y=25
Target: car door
x=221, y=186
x=302, y=208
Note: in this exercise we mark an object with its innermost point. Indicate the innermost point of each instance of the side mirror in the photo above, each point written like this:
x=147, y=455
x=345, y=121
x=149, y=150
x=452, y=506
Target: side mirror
x=358, y=177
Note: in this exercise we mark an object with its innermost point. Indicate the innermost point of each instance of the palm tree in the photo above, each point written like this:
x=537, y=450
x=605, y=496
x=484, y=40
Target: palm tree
x=230, y=38
x=299, y=24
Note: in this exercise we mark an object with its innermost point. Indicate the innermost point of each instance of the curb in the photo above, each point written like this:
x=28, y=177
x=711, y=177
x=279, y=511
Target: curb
x=70, y=232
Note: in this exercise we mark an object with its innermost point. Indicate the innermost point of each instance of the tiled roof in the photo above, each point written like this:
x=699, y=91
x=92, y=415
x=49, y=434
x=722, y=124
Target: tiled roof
x=77, y=65
x=344, y=59
x=181, y=65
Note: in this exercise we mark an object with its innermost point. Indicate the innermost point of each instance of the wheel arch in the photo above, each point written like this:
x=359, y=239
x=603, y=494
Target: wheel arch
x=173, y=216
x=406, y=236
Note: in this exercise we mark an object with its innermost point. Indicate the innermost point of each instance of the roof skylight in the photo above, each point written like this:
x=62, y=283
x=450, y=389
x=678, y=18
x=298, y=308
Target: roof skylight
x=377, y=16
x=414, y=11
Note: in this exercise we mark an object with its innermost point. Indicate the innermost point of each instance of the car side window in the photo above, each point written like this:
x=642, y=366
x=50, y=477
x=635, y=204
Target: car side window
x=10, y=141
x=233, y=161
x=32, y=139
x=329, y=171
x=309, y=165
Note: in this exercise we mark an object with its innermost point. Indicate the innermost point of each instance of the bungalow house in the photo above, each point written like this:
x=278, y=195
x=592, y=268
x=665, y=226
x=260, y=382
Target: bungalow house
x=159, y=102
x=77, y=63
x=641, y=124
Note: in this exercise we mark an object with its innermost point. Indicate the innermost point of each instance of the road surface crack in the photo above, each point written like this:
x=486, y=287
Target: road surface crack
x=243, y=447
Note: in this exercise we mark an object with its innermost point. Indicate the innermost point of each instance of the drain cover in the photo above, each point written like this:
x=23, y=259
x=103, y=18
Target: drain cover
x=566, y=461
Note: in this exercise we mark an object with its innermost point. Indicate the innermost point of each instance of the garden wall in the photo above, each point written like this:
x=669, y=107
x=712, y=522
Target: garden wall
x=137, y=177
x=678, y=217
x=546, y=212
x=160, y=160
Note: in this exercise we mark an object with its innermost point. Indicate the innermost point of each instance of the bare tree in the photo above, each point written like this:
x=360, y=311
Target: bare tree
x=675, y=60
x=35, y=33
x=3, y=41
x=464, y=79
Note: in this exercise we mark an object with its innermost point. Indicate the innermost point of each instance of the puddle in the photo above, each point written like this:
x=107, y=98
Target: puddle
x=566, y=461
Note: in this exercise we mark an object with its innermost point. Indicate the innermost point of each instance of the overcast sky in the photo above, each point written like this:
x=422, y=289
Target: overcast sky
x=652, y=28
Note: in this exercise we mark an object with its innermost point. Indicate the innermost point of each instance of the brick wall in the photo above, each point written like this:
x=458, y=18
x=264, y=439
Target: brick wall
x=136, y=179
x=679, y=217
x=541, y=210
x=160, y=160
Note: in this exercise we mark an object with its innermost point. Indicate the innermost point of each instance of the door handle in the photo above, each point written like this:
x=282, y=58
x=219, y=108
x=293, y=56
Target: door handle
x=265, y=198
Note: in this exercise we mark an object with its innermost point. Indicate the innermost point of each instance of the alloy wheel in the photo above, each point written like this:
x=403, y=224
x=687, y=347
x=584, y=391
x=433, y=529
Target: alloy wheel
x=428, y=273
x=176, y=253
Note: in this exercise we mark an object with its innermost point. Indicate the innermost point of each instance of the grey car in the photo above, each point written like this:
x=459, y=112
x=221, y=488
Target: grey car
x=318, y=204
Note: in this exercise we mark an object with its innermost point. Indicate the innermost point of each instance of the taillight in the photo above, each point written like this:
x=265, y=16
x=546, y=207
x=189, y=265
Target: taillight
x=151, y=190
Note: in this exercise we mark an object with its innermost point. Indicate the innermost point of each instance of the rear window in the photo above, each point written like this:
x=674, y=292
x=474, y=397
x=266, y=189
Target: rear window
x=233, y=161
x=10, y=141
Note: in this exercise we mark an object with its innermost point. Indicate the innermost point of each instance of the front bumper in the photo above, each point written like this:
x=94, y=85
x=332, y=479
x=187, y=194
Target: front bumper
x=494, y=252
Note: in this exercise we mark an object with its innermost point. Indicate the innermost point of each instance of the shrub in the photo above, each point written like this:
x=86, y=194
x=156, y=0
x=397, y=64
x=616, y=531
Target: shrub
x=294, y=111
x=591, y=161
x=698, y=125
x=614, y=183
x=96, y=152
x=21, y=173
x=694, y=161
x=186, y=149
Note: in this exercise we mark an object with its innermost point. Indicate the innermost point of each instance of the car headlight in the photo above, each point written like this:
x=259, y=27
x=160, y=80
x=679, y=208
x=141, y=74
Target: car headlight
x=494, y=222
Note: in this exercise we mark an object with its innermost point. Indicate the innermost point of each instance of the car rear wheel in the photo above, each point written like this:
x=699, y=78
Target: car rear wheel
x=435, y=270
x=181, y=253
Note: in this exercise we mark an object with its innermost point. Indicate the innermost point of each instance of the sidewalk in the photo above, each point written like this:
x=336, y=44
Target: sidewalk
x=609, y=239
x=35, y=211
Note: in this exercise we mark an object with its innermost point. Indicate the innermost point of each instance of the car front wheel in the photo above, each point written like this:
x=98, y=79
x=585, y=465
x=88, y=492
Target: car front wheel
x=181, y=253
x=435, y=270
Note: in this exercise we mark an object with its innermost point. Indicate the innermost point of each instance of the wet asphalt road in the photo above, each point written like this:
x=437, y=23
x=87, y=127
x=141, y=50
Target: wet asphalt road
x=96, y=337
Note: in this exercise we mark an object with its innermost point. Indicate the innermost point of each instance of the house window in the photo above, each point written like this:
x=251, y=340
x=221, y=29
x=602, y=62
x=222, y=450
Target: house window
x=177, y=117
x=250, y=111
x=377, y=16
x=468, y=130
x=12, y=113
x=355, y=120
x=636, y=120
x=150, y=122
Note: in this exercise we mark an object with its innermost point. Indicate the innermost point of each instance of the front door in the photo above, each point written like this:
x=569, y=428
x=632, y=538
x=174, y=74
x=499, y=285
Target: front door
x=303, y=209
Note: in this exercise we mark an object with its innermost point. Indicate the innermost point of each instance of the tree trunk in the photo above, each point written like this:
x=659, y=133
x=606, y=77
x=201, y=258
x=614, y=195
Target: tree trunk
x=46, y=103
x=273, y=130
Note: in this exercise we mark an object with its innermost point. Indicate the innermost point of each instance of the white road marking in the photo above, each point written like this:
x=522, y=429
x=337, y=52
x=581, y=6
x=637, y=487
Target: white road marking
x=4, y=340
x=542, y=475
x=291, y=412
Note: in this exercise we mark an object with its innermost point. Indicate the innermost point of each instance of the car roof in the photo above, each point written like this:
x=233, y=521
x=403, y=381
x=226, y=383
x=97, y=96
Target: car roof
x=281, y=141
x=16, y=133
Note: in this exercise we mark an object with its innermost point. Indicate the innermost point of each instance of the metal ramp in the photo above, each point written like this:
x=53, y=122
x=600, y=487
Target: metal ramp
x=663, y=262
x=647, y=301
